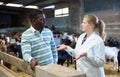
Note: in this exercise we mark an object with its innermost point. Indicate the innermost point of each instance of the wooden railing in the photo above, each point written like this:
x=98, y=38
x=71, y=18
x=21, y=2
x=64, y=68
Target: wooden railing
x=52, y=70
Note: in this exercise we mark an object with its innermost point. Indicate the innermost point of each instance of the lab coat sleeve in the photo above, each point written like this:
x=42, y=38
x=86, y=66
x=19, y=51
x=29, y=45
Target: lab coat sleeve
x=96, y=55
x=70, y=51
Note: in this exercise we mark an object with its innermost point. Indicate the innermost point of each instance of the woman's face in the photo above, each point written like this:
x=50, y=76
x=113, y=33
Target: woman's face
x=85, y=25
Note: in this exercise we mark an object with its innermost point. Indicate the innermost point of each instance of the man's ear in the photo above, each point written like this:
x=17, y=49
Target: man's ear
x=33, y=20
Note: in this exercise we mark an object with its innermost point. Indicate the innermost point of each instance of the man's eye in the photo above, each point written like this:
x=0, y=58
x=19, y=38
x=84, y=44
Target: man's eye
x=41, y=19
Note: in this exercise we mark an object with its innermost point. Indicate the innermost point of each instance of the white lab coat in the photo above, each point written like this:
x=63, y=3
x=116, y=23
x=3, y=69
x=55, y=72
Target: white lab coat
x=93, y=63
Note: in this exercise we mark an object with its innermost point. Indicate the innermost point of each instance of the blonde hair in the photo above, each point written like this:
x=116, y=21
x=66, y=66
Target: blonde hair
x=99, y=25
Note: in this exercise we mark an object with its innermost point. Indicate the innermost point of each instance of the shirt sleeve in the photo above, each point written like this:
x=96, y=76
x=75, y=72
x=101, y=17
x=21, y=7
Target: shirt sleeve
x=26, y=49
x=96, y=55
x=53, y=48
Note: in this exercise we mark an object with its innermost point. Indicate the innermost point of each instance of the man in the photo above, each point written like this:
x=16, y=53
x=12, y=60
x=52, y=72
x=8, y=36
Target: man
x=37, y=42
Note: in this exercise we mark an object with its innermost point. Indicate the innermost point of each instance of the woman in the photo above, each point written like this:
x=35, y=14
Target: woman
x=90, y=50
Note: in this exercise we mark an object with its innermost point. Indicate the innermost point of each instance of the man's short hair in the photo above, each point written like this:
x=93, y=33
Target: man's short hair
x=34, y=13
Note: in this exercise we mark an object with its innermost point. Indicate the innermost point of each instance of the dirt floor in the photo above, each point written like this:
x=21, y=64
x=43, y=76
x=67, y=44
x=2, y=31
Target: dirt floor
x=109, y=71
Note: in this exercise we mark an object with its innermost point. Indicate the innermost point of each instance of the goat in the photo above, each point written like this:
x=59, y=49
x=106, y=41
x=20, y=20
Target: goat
x=63, y=55
x=118, y=57
x=112, y=53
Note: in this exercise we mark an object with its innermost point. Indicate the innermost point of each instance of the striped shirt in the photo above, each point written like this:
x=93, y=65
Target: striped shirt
x=40, y=46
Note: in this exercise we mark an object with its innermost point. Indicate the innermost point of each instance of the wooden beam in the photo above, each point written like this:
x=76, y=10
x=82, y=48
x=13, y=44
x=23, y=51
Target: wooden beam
x=17, y=62
x=5, y=72
x=45, y=2
x=55, y=70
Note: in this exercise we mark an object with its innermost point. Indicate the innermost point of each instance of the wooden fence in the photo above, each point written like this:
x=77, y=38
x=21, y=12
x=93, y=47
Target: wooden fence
x=52, y=70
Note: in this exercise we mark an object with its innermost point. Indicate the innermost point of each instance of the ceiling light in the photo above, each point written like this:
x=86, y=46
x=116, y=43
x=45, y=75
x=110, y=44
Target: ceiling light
x=31, y=7
x=14, y=5
x=51, y=6
x=1, y=3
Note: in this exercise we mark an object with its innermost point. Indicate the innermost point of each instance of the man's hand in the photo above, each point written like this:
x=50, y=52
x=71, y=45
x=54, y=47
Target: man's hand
x=33, y=63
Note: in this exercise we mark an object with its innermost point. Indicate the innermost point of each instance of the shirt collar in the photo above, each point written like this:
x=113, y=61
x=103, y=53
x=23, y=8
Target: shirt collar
x=33, y=29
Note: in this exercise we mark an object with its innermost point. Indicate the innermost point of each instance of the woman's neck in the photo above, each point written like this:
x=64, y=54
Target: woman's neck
x=89, y=33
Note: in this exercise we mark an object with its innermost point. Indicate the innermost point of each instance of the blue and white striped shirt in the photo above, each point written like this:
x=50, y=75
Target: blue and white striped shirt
x=40, y=46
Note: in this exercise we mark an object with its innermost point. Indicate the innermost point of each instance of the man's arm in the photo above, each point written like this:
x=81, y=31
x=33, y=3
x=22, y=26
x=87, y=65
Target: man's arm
x=26, y=51
x=53, y=48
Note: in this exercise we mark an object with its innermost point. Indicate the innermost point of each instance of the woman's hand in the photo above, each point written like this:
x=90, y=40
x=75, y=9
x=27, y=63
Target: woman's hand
x=61, y=47
x=81, y=55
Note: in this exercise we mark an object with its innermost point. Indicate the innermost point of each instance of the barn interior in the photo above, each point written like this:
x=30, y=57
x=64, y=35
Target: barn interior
x=64, y=15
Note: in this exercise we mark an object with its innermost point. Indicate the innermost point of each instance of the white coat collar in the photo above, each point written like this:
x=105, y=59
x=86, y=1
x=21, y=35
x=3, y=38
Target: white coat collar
x=90, y=38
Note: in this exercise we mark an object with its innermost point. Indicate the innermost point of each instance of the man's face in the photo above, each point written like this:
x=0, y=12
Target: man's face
x=40, y=21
